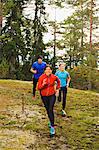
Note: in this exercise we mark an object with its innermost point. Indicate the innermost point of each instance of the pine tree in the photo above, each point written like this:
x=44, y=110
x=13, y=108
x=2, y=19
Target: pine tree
x=39, y=27
x=13, y=45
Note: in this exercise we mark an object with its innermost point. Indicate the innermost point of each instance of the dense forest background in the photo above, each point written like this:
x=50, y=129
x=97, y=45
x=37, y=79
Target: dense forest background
x=22, y=40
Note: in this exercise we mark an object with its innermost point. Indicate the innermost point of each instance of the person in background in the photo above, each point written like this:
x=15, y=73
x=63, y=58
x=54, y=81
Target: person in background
x=37, y=69
x=64, y=77
x=46, y=84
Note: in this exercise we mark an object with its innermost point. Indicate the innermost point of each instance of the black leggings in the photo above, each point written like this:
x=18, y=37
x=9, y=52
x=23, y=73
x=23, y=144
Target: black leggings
x=49, y=102
x=64, y=91
x=34, y=85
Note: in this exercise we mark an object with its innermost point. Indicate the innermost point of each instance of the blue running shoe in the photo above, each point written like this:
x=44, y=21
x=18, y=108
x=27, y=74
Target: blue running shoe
x=52, y=131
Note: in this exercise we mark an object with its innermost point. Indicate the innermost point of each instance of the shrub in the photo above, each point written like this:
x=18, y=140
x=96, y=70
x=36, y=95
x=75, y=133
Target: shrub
x=84, y=77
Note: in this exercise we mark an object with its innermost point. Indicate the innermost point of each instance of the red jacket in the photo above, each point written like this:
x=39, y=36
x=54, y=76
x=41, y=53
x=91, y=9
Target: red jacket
x=48, y=88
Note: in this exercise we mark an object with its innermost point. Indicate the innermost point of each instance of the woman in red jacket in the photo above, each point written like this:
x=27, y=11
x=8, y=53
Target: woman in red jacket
x=46, y=85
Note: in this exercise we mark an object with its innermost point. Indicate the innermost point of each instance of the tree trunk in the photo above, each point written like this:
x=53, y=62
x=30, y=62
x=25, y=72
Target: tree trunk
x=82, y=32
x=91, y=22
x=54, y=46
x=1, y=17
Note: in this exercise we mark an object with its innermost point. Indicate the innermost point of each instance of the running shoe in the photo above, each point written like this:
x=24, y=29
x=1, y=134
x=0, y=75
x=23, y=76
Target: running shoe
x=52, y=131
x=63, y=113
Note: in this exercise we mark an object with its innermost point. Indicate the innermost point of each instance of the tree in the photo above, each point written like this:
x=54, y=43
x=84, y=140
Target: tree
x=79, y=23
x=13, y=45
x=39, y=27
x=22, y=38
x=0, y=15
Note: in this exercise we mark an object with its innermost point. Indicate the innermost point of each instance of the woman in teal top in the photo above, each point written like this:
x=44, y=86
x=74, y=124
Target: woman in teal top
x=64, y=77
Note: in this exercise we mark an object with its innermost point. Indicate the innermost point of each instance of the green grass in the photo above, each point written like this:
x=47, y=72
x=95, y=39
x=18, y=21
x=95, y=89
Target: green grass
x=80, y=130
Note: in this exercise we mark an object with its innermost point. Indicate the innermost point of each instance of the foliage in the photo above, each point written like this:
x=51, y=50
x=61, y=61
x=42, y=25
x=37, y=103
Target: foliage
x=13, y=45
x=75, y=35
x=4, y=69
x=23, y=72
x=21, y=39
x=39, y=28
x=82, y=76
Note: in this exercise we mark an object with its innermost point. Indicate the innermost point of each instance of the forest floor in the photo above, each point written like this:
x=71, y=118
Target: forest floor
x=24, y=122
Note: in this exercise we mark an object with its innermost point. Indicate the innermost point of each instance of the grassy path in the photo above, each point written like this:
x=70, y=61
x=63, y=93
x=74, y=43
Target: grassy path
x=29, y=131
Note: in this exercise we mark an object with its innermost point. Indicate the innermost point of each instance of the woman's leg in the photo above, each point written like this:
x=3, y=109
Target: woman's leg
x=45, y=101
x=52, y=100
x=64, y=98
x=59, y=97
x=49, y=102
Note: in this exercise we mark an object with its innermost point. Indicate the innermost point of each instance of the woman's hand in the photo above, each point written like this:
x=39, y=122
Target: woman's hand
x=67, y=85
x=57, y=93
x=44, y=82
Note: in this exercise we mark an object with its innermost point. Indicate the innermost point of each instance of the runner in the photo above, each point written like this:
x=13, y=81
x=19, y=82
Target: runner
x=65, y=80
x=46, y=86
x=37, y=69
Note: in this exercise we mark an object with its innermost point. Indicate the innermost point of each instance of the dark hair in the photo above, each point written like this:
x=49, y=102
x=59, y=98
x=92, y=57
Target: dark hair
x=39, y=57
x=48, y=66
x=61, y=64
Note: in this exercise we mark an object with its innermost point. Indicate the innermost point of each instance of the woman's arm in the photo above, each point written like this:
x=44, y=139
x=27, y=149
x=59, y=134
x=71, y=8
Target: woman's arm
x=68, y=81
x=58, y=83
